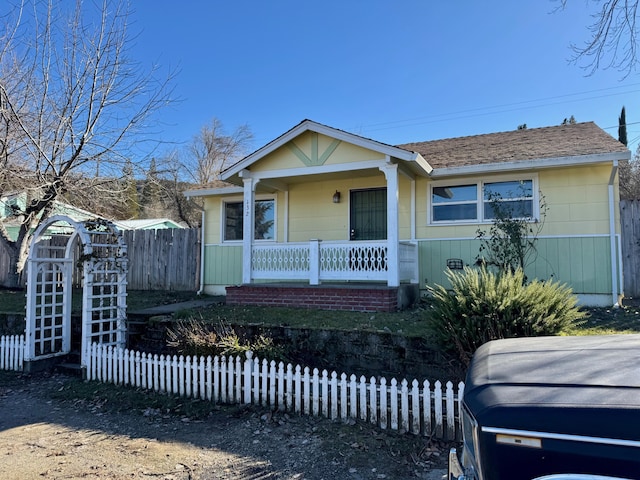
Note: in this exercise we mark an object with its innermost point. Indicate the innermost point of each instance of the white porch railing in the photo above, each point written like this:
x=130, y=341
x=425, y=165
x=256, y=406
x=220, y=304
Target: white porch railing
x=317, y=260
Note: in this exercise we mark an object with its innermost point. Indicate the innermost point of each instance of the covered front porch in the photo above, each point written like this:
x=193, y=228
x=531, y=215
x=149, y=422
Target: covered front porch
x=354, y=276
x=318, y=262
x=316, y=208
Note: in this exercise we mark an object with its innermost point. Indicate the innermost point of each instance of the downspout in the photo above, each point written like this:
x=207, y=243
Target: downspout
x=199, y=292
x=612, y=236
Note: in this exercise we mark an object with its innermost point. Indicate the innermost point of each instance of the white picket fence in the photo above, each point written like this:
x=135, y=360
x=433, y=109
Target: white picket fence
x=416, y=408
x=12, y=352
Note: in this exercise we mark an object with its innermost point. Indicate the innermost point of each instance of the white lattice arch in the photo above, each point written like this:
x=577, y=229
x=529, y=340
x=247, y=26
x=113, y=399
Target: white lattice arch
x=59, y=246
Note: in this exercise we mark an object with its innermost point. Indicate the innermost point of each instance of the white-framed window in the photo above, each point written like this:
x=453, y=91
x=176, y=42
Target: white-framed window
x=264, y=228
x=515, y=198
x=474, y=201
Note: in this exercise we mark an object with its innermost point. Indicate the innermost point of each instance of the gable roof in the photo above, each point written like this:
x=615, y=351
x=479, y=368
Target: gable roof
x=585, y=140
x=556, y=146
x=309, y=125
x=59, y=208
x=147, y=224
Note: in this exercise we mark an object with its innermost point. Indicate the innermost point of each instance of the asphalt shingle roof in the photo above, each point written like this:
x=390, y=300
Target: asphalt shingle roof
x=517, y=145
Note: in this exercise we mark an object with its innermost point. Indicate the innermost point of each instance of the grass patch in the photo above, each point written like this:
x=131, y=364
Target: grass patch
x=14, y=301
x=607, y=321
x=411, y=322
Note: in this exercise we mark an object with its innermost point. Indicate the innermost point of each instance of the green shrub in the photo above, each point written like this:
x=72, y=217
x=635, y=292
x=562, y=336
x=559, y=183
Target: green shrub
x=197, y=337
x=482, y=306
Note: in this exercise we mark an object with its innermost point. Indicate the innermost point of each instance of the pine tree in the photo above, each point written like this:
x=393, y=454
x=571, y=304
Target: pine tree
x=622, y=127
x=151, y=200
x=131, y=208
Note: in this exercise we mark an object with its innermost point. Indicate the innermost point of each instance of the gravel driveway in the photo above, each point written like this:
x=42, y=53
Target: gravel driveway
x=45, y=437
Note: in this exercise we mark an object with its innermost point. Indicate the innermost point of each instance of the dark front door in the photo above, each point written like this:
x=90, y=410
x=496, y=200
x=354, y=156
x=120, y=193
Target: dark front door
x=368, y=217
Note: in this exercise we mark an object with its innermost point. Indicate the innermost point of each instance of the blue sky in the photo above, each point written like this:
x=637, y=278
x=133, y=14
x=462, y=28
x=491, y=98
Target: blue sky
x=395, y=71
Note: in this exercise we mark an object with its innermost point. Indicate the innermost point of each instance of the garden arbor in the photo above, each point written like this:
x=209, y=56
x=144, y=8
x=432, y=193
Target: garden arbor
x=95, y=251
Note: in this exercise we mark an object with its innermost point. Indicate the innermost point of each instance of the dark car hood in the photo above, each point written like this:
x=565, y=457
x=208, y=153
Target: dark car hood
x=578, y=385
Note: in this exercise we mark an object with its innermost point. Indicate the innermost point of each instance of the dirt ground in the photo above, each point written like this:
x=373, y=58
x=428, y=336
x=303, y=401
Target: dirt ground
x=43, y=436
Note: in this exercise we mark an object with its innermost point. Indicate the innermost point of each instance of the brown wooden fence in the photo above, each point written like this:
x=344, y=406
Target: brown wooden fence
x=630, y=235
x=158, y=260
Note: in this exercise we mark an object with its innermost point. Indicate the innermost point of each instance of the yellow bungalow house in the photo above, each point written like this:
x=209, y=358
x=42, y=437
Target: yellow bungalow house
x=323, y=218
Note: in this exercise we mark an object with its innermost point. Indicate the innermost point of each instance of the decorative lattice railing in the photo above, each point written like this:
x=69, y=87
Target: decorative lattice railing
x=318, y=260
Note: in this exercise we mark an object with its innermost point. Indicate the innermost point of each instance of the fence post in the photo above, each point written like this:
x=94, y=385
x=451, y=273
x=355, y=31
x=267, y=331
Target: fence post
x=415, y=407
x=353, y=397
x=248, y=362
x=307, y=391
x=325, y=393
x=4, y=351
x=281, y=405
x=209, y=379
x=239, y=386
x=394, y=404
x=343, y=396
x=289, y=388
x=451, y=413
x=363, y=398
x=384, y=413
x=334, y=395
x=373, y=407
x=437, y=387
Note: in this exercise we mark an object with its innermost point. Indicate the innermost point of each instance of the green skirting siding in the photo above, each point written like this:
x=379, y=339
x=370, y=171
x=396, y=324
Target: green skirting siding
x=584, y=263
x=223, y=265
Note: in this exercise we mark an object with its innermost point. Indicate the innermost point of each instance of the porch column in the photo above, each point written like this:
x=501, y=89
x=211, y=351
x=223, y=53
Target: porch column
x=248, y=226
x=390, y=171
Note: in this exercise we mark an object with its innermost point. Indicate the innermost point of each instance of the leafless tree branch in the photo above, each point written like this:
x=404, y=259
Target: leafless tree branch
x=613, y=37
x=71, y=102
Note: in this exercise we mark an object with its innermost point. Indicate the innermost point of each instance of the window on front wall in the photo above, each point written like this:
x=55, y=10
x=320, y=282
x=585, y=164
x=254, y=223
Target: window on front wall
x=454, y=203
x=264, y=224
x=515, y=199
x=476, y=202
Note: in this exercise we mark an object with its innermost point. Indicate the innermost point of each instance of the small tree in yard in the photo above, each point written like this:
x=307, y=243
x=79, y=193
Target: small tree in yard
x=495, y=300
x=510, y=242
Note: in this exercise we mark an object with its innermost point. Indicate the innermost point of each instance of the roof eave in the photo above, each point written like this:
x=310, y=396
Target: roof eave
x=308, y=125
x=539, y=163
x=206, y=192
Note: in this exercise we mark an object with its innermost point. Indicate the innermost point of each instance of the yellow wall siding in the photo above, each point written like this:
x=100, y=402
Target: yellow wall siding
x=284, y=158
x=577, y=199
x=212, y=207
x=404, y=208
x=312, y=213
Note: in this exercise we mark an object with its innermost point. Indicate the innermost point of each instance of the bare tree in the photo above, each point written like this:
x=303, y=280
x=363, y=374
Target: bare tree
x=629, y=173
x=614, y=34
x=70, y=101
x=212, y=150
x=186, y=210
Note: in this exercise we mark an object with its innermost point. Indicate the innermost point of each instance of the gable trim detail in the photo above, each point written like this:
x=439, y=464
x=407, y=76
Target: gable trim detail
x=314, y=160
x=337, y=135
